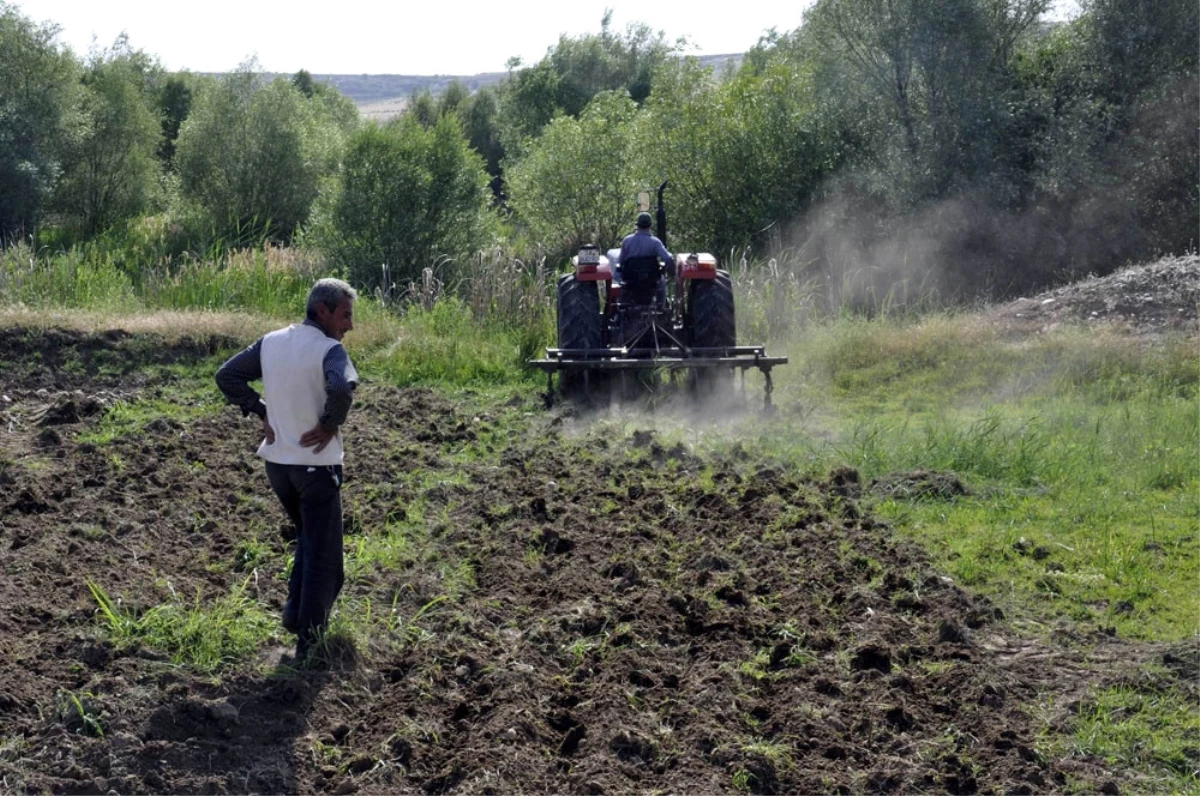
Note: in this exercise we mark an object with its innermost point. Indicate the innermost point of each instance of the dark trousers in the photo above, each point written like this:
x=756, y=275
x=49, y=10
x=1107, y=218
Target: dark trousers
x=312, y=498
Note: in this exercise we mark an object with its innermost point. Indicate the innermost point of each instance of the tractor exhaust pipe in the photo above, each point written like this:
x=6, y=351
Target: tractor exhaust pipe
x=661, y=216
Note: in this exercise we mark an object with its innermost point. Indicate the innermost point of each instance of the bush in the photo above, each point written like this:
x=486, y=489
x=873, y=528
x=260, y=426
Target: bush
x=38, y=87
x=576, y=184
x=110, y=170
x=254, y=155
x=409, y=198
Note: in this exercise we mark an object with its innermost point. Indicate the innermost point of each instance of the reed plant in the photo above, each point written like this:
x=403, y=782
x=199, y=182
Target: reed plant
x=69, y=279
x=268, y=280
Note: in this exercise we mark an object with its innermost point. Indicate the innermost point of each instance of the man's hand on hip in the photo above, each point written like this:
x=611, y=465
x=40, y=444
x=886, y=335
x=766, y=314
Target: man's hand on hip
x=319, y=436
x=268, y=432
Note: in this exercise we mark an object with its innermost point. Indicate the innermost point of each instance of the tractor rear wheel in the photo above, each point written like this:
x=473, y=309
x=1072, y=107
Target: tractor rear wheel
x=578, y=326
x=713, y=321
x=713, y=326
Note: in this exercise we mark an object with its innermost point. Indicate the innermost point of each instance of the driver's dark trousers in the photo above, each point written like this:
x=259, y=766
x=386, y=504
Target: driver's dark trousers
x=312, y=498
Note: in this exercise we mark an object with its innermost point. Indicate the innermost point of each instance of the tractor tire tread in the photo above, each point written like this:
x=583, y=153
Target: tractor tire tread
x=714, y=323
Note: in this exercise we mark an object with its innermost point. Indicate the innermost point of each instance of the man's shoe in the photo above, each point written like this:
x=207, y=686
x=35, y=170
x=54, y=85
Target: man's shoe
x=309, y=656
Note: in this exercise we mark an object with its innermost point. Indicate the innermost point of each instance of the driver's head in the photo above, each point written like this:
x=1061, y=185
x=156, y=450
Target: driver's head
x=643, y=221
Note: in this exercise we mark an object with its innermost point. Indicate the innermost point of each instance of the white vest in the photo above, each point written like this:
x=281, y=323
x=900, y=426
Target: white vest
x=294, y=391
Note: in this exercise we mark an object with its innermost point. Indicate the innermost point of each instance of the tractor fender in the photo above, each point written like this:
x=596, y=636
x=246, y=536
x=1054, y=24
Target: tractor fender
x=696, y=265
x=597, y=272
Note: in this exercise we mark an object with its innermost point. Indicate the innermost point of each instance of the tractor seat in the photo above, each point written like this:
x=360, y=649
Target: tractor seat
x=639, y=280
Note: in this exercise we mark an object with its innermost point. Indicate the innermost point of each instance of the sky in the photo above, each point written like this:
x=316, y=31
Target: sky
x=431, y=37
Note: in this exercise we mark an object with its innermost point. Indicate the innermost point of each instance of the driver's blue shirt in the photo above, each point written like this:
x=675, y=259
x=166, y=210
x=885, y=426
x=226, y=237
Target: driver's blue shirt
x=643, y=244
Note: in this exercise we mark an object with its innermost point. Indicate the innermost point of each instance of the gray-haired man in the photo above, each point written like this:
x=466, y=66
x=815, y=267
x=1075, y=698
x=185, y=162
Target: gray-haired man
x=308, y=386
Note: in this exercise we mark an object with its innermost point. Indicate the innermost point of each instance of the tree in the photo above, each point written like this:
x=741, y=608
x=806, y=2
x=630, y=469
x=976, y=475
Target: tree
x=110, y=172
x=453, y=98
x=39, y=86
x=1156, y=168
x=253, y=154
x=478, y=113
x=1132, y=47
x=303, y=80
x=528, y=101
x=574, y=71
x=921, y=87
x=577, y=182
x=743, y=156
x=1114, y=112
x=591, y=64
x=409, y=197
x=480, y=124
x=1136, y=100
x=174, y=104
x=423, y=107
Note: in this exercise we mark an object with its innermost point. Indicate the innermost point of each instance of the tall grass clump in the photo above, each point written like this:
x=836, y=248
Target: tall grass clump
x=269, y=281
x=904, y=360
x=40, y=280
x=445, y=345
x=774, y=297
x=949, y=392
x=990, y=447
x=473, y=323
x=470, y=323
x=162, y=240
x=508, y=292
x=206, y=637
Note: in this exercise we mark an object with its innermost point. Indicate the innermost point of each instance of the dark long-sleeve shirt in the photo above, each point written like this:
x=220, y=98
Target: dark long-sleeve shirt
x=234, y=377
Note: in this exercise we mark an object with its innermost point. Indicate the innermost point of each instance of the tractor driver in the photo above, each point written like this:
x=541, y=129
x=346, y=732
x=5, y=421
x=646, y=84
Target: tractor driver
x=642, y=243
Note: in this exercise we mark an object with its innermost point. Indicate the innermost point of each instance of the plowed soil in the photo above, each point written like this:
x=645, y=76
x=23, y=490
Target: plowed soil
x=620, y=624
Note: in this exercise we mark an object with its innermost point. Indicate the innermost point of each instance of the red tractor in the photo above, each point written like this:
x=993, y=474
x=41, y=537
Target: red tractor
x=646, y=316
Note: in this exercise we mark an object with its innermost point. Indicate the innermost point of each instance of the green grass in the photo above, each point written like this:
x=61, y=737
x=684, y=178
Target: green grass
x=447, y=347
x=481, y=340
x=365, y=626
x=1138, y=729
x=80, y=712
x=205, y=636
x=395, y=547
x=94, y=278
x=1083, y=446
x=129, y=418
x=70, y=279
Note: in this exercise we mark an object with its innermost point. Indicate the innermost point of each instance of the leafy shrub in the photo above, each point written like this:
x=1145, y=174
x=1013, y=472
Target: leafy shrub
x=409, y=198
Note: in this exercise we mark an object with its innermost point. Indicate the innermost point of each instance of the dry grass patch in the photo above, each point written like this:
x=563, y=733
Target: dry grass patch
x=375, y=327
x=171, y=325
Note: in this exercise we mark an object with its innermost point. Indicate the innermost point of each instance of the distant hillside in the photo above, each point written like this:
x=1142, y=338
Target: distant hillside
x=382, y=92
x=367, y=89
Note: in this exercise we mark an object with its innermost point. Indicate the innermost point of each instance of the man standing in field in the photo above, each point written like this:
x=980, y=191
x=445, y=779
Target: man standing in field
x=308, y=385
